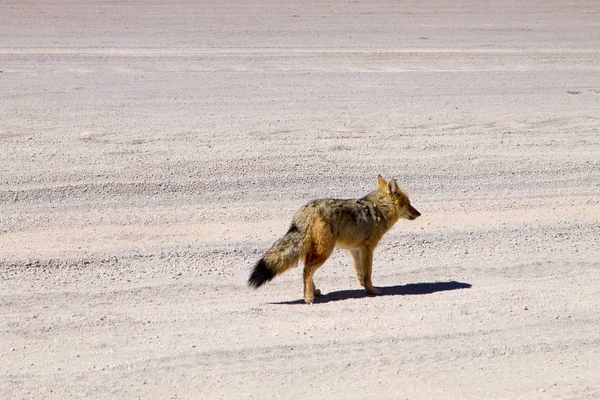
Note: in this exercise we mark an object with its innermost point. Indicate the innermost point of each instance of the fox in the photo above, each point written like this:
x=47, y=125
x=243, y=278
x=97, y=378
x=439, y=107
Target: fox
x=356, y=225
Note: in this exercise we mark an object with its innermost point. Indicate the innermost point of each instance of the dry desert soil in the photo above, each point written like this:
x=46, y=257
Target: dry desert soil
x=150, y=153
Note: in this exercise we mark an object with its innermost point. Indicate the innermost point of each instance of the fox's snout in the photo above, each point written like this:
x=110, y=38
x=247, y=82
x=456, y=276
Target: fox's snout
x=413, y=213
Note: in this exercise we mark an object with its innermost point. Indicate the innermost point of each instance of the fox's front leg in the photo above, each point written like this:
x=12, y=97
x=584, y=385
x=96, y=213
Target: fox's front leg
x=363, y=264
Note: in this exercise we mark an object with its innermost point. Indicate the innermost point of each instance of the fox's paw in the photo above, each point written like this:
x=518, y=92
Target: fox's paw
x=373, y=291
x=309, y=300
x=317, y=292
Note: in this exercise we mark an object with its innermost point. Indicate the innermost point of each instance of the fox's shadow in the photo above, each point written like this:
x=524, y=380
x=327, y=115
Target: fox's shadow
x=398, y=290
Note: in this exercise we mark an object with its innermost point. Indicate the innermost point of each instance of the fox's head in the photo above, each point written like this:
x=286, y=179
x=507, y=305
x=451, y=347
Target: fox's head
x=399, y=198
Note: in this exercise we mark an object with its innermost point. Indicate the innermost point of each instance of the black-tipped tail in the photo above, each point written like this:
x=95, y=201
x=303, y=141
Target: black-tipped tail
x=260, y=274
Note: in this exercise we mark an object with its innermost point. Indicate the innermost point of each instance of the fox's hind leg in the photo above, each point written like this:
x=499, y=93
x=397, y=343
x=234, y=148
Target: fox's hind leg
x=316, y=291
x=311, y=263
x=363, y=264
x=319, y=250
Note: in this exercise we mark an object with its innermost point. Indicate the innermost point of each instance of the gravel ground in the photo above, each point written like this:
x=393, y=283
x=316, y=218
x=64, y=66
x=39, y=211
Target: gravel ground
x=150, y=154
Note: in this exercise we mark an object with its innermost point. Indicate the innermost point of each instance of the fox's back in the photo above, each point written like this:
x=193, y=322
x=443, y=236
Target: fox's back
x=342, y=209
x=349, y=221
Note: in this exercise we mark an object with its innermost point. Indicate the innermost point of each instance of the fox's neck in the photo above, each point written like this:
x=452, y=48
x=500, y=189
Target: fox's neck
x=385, y=206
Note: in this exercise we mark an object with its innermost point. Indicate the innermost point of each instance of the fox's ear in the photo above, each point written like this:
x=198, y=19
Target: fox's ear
x=393, y=186
x=380, y=181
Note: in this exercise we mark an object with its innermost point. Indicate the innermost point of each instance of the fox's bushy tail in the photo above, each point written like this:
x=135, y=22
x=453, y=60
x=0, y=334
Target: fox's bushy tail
x=284, y=254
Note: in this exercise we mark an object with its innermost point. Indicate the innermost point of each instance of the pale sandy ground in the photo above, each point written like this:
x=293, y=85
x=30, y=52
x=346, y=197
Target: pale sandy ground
x=150, y=154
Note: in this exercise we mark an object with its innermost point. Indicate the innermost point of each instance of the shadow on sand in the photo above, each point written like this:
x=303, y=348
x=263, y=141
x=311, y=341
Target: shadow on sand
x=399, y=290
